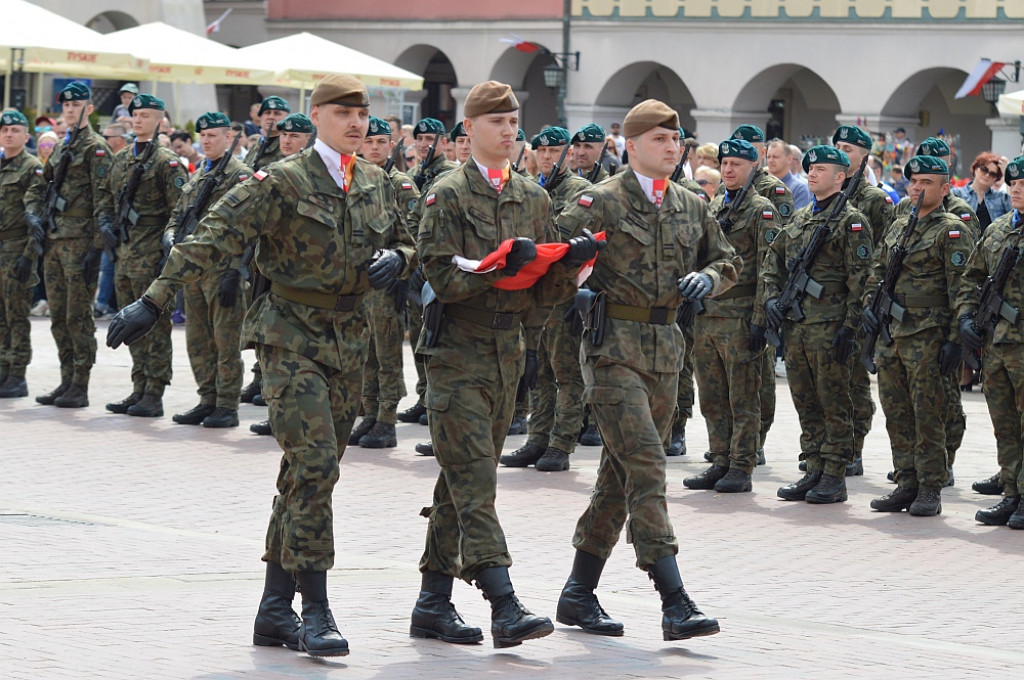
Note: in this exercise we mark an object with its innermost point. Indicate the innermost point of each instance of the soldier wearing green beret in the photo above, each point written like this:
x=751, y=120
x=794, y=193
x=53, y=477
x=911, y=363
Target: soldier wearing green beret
x=460, y=140
x=213, y=309
x=729, y=337
x=21, y=242
x=141, y=248
x=294, y=133
x=1003, y=357
x=820, y=348
x=587, y=144
x=914, y=371
x=327, y=231
x=556, y=402
x=81, y=228
x=273, y=110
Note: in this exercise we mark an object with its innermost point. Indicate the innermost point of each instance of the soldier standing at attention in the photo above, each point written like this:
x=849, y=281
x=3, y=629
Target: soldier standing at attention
x=820, y=348
x=914, y=370
x=273, y=110
x=82, y=226
x=586, y=151
x=476, y=359
x=729, y=336
x=662, y=243
x=460, y=140
x=213, y=312
x=21, y=242
x=141, y=249
x=320, y=220
x=294, y=132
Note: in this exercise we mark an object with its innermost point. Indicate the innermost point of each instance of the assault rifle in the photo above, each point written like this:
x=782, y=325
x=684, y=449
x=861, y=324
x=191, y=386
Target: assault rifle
x=883, y=305
x=421, y=176
x=991, y=305
x=596, y=170
x=678, y=172
x=728, y=221
x=515, y=166
x=799, y=284
x=189, y=219
x=126, y=214
x=53, y=203
x=395, y=153
x=552, y=180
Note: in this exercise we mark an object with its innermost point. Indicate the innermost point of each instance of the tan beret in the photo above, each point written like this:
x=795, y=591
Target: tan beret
x=490, y=97
x=342, y=89
x=649, y=114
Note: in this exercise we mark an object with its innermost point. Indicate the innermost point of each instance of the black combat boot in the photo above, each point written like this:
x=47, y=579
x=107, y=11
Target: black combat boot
x=364, y=426
x=829, y=489
x=434, y=615
x=677, y=442
x=706, y=479
x=802, y=466
x=13, y=387
x=50, y=397
x=518, y=426
x=989, y=487
x=735, y=481
x=258, y=399
x=318, y=634
x=855, y=468
x=524, y=456
x=150, y=406
x=681, y=619
x=761, y=460
x=123, y=405
x=553, y=460
x=413, y=413
x=590, y=436
x=425, y=448
x=950, y=480
x=380, y=436
x=251, y=390
x=511, y=622
x=76, y=396
x=927, y=504
x=897, y=501
x=221, y=417
x=998, y=515
x=1016, y=520
x=797, y=491
x=276, y=622
x=195, y=415
x=578, y=605
x=261, y=428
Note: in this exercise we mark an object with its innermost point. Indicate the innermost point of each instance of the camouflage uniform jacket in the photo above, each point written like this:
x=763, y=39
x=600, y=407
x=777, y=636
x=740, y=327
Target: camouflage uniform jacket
x=17, y=176
x=311, y=236
x=154, y=201
x=981, y=264
x=954, y=205
x=438, y=167
x=774, y=189
x=565, y=193
x=841, y=266
x=271, y=153
x=406, y=194
x=692, y=186
x=649, y=249
x=876, y=205
x=602, y=174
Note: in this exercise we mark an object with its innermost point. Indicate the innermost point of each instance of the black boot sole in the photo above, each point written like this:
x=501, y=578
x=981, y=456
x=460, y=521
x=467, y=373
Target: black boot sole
x=426, y=633
x=331, y=651
x=267, y=641
x=825, y=500
x=711, y=629
x=542, y=630
x=566, y=621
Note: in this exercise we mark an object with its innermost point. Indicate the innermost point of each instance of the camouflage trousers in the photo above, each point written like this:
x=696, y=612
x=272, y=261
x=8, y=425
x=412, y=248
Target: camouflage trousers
x=383, y=383
x=863, y=402
x=151, y=354
x=70, y=298
x=1004, y=393
x=915, y=400
x=684, y=391
x=15, y=303
x=956, y=419
x=820, y=388
x=767, y=393
x=729, y=384
x=212, y=337
x=415, y=321
x=556, y=404
x=312, y=408
x=470, y=412
x=634, y=412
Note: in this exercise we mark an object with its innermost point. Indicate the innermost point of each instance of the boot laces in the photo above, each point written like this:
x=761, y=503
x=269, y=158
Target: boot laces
x=325, y=619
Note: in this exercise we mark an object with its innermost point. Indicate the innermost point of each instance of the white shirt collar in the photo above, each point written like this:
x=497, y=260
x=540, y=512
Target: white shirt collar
x=647, y=184
x=332, y=159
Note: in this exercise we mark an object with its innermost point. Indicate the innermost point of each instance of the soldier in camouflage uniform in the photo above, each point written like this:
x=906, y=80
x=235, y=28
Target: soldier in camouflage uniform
x=294, y=133
x=586, y=152
x=556, y=402
x=141, y=249
x=1004, y=357
x=383, y=381
x=913, y=371
x=820, y=348
x=319, y=219
x=460, y=140
x=662, y=243
x=213, y=312
x=730, y=334
x=476, y=361
x=21, y=239
x=81, y=229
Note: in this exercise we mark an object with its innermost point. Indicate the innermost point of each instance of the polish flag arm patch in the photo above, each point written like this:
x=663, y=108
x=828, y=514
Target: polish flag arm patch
x=259, y=175
x=856, y=227
x=954, y=233
x=407, y=185
x=780, y=191
x=966, y=217
x=430, y=199
x=586, y=200
x=173, y=164
x=767, y=215
x=101, y=152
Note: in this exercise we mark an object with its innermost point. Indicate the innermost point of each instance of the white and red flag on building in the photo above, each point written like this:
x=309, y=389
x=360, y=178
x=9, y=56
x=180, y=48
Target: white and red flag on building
x=215, y=26
x=985, y=71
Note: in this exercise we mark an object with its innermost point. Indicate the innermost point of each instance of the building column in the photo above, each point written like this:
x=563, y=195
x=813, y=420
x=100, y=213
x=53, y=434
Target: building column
x=459, y=95
x=1007, y=133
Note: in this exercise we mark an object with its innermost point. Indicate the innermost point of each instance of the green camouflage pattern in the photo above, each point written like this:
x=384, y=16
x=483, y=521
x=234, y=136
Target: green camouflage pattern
x=956, y=206
x=876, y=205
x=271, y=154
x=1004, y=394
x=774, y=189
x=981, y=263
x=692, y=186
x=234, y=173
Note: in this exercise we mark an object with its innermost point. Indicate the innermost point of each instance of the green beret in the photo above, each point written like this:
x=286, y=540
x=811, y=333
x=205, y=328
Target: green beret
x=751, y=133
x=851, y=134
x=212, y=119
x=146, y=101
x=378, y=127
x=13, y=117
x=274, y=103
x=129, y=87
x=521, y=135
x=685, y=134
x=297, y=122
x=1014, y=170
x=925, y=165
x=458, y=131
x=75, y=92
x=589, y=133
x=737, y=148
x=932, y=147
x=428, y=126
x=550, y=136
x=822, y=153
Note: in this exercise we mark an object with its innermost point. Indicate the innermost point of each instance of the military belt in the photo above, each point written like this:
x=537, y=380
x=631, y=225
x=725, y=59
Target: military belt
x=80, y=214
x=923, y=300
x=661, y=316
x=499, y=321
x=748, y=290
x=12, y=233
x=312, y=298
x=151, y=221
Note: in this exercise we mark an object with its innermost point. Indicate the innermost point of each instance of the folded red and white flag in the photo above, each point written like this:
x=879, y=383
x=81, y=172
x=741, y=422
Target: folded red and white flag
x=547, y=255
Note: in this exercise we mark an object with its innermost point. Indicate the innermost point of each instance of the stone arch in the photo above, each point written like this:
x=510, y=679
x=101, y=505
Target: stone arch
x=642, y=80
x=524, y=71
x=797, y=104
x=111, y=20
x=439, y=78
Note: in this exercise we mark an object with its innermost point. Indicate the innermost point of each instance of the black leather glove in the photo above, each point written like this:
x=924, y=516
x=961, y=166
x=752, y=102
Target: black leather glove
x=773, y=313
x=950, y=355
x=695, y=286
x=575, y=320
x=106, y=227
x=842, y=344
x=757, y=340
x=35, y=229
x=385, y=269
x=416, y=279
x=972, y=337
x=869, y=323
x=91, y=264
x=524, y=251
x=167, y=242
x=582, y=249
x=22, y=269
x=227, y=289
x=132, y=322
x=529, y=379
x=397, y=290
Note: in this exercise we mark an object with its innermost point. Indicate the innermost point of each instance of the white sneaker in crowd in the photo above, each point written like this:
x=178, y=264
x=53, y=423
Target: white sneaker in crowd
x=42, y=308
x=780, y=368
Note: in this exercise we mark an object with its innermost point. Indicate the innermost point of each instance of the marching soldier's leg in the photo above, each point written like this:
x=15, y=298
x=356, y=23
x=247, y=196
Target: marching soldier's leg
x=151, y=356
x=565, y=362
x=1004, y=395
x=832, y=383
x=800, y=366
x=417, y=410
x=226, y=325
x=766, y=396
x=929, y=398
x=202, y=353
x=125, y=291
x=388, y=333
x=541, y=411
x=15, y=328
x=863, y=411
x=713, y=384
x=56, y=263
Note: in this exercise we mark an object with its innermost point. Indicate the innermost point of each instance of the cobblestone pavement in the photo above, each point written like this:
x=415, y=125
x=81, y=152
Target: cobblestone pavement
x=131, y=550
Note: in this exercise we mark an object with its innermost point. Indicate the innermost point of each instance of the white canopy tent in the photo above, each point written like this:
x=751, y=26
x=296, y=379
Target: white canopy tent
x=1011, y=103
